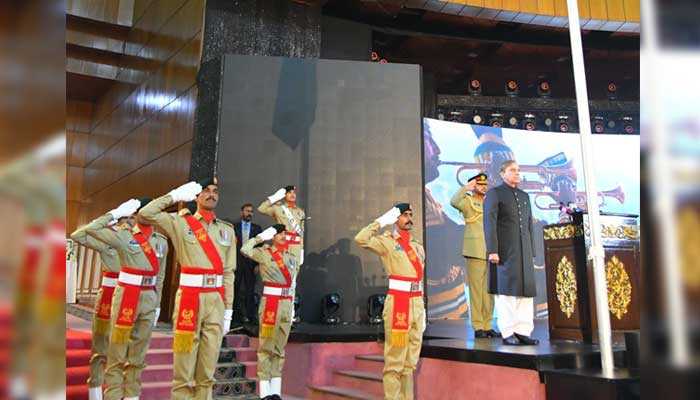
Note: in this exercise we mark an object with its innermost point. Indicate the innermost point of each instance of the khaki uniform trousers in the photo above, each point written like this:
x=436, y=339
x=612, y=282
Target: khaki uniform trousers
x=271, y=350
x=400, y=362
x=100, y=344
x=126, y=361
x=194, y=371
x=480, y=300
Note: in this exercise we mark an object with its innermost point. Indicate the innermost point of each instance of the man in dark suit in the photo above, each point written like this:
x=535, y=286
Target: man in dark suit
x=244, y=284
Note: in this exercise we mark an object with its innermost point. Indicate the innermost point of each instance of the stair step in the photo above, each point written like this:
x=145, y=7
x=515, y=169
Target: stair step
x=77, y=392
x=230, y=370
x=251, y=369
x=234, y=387
x=373, y=363
x=159, y=356
x=369, y=382
x=77, y=376
x=156, y=390
x=242, y=354
x=338, y=393
x=78, y=343
x=157, y=373
x=77, y=358
x=235, y=341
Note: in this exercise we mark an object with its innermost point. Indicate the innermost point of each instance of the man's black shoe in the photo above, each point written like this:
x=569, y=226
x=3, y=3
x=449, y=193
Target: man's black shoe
x=511, y=341
x=527, y=340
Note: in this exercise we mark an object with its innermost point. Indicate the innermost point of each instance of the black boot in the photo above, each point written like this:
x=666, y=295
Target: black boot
x=480, y=334
x=527, y=340
x=493, y=334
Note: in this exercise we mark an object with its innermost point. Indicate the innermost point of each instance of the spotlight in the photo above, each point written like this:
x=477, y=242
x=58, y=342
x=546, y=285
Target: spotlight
x=611, y=124
x=383, y=61
x=375, y=307
x=455, y=116
x=474, y=87
x=374, y=56
x=628, y=125
x=331, y=308
x=529, y=122
x=441, y=116
x=513, y=121
x=477, y=118
x=598, y=124
x=544, y=90
x=612, y=91
x=496, y=120
x=548, y=122
x=512, y=88
x=563, y=123
x=297, y=307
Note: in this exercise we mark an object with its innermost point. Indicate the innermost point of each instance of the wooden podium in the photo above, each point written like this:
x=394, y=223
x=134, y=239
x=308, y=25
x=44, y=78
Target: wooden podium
x=570, y=286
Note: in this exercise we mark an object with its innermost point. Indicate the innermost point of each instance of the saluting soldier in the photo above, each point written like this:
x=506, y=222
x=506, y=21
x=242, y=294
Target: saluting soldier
x=469, y=201
x=278, y=268
x=289, y=214
x=206, y=251
x=404, y=311
x=136, y=300
x=101, y=322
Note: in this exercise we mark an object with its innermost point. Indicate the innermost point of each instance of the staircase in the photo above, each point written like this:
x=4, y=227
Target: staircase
x=236, y=375
x=363, y=382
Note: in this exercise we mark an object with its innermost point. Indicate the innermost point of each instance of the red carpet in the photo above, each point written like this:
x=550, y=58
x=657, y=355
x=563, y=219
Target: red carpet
x=77, y=364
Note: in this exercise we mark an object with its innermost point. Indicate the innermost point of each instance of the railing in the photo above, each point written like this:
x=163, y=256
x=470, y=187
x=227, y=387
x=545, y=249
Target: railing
x=89, y=271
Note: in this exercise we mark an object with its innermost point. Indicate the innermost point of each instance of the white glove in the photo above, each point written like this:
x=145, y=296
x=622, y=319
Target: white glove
x=279, y=195
x=155, y=320
x=425, y=321
x=267, y=234
x=228, y=316
x=186, y=192
x=125, y=209
x=292, y=320
x=389, y=218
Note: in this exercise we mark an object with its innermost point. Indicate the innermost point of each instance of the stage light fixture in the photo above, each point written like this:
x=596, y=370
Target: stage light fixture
x=383, y=61
x=475, y=87
x=598, y=124
x=496, y=120
x=477, y=118
x=331, y=308
x=455, y=116
x=513, y=121
x=297, y=307
x=548, y=122
x=512, y=88
x=441, y=116
x=529, y=122
x=375, y=307
x=374, y=56
x=544, y=90
x=612, y=91
x=563, y=123
x=628, y=125
x=611, y=124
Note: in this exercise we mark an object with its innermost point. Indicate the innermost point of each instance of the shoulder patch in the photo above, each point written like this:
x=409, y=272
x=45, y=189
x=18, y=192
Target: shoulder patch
x=230, y=225
x=184, y=211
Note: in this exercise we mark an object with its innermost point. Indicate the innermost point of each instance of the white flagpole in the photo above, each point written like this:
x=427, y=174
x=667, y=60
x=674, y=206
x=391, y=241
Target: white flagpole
x=595, y=252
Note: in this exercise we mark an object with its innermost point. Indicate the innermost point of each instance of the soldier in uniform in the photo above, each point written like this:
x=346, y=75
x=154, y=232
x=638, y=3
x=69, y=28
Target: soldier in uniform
x=136, y=299
x=101, y=323
x=468, y=200
x=404, y=312
x=278, y=268
x=510, y=249
x=206, y=251
x=290, y=215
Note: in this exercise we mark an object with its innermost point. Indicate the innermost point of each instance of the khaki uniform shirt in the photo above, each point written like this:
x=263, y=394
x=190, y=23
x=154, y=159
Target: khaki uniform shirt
x=108, y=255
x=187, y=248
x=393, y=256
x=474, y=244
x=269, y=270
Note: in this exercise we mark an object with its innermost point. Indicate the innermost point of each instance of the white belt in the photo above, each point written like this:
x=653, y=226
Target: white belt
x=109, y=282
x=277, y=291
x=405, y=286
x=136, y=280
x=206, y=281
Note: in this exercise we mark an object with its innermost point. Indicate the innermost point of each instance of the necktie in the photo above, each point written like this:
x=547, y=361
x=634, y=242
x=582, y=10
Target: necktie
x=246, y=232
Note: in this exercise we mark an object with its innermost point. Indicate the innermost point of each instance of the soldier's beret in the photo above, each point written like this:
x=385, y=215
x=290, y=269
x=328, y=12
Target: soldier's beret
x=403, y=207
x=289, y=188
x=208, y=181
x=481, y=178
x=279, y=228
x=144, y=201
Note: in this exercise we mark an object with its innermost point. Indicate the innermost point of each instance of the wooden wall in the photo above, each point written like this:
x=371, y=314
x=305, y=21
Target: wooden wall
x=138, y=138
x=608, y=10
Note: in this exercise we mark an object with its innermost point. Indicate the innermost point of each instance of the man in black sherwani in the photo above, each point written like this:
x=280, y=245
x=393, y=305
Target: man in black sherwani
x=510, y=248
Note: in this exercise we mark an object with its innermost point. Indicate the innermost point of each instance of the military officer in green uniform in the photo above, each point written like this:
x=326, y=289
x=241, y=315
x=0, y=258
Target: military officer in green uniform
x=205, y=247
x=289, y=214
x=136, y=299
x=404, y=311
x=278, y=269
x=101, y=323
x=468, y=200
